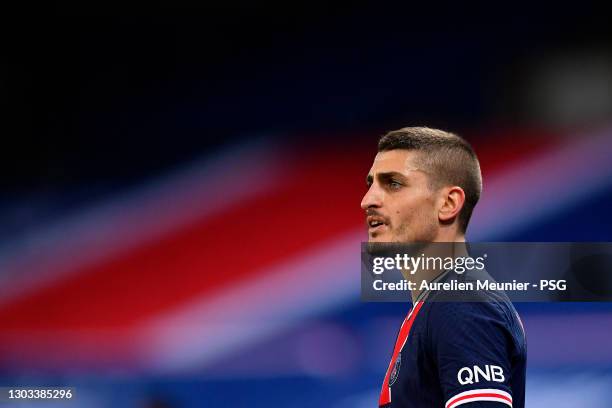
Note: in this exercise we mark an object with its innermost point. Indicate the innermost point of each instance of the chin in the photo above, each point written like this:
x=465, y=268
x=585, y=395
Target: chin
x=379, y=238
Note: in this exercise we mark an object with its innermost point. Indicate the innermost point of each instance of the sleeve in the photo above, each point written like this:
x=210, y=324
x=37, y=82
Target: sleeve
x=471, y=348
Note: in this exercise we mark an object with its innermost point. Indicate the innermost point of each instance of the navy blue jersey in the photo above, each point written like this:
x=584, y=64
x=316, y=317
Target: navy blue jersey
x=449, y=354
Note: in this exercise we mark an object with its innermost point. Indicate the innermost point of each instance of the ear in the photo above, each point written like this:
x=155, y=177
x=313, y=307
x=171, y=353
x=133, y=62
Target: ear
x=453, y=200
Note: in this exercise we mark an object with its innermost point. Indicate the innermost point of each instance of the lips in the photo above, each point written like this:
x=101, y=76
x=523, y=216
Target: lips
x=376, y=223
x=376, y=230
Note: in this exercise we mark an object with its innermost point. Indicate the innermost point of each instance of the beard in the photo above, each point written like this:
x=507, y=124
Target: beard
x=424, y=233
x=404, y=239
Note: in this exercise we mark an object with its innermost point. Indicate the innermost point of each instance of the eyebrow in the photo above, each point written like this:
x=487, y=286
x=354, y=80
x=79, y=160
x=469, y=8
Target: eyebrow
x=385, y=176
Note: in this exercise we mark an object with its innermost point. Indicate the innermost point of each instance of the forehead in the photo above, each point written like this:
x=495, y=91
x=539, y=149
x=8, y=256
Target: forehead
x=398, y=160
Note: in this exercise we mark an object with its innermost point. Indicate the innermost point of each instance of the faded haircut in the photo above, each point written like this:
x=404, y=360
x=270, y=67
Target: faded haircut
x=447, y=159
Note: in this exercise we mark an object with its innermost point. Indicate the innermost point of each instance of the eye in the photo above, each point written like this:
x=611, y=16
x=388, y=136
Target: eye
x=395, y=185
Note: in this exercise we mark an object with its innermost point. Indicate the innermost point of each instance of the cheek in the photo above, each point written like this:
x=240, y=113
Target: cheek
x=403, y=218
x=417, y=212
x=399, y=215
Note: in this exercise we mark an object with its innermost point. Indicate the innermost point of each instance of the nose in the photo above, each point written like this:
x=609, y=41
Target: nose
x=372, y=198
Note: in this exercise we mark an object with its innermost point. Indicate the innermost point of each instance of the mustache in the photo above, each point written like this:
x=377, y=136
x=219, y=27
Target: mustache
x=372, y=212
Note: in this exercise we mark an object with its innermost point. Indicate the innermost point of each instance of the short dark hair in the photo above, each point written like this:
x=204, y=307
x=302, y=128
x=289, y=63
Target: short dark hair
x=448, y=158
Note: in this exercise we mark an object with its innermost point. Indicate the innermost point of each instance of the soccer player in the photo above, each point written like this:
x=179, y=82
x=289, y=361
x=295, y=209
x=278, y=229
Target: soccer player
x=422, y=187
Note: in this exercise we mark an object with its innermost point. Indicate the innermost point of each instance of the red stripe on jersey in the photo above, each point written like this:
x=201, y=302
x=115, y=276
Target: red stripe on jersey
x=477, y=396
x=385, y=393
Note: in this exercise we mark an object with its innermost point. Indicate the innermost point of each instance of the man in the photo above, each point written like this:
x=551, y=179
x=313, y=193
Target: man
x=423, y=187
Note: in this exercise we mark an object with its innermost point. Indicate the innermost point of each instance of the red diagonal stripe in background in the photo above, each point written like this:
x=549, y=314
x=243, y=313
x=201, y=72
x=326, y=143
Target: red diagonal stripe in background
x=499, y=150
x=318, y=198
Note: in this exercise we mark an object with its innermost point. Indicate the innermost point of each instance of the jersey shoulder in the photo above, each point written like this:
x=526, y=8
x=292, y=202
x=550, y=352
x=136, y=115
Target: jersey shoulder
x=477, y=348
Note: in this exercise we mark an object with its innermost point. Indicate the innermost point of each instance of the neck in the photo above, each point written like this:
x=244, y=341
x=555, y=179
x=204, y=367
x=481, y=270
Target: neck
x=440, y=248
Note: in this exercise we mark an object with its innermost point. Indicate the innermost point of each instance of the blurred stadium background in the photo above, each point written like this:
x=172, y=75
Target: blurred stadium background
x=179, y=218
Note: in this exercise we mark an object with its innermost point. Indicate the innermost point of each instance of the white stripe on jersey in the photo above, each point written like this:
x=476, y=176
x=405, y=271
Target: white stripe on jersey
x=483, y=394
